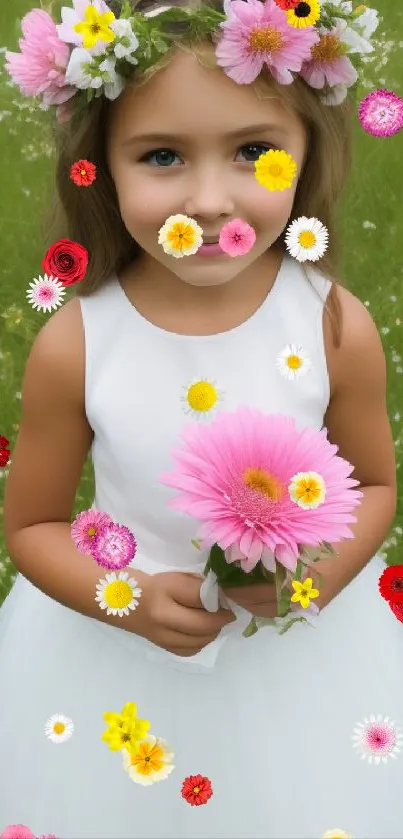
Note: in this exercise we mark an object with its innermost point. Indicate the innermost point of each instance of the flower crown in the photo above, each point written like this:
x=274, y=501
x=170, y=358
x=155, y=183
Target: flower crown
x=93, y=53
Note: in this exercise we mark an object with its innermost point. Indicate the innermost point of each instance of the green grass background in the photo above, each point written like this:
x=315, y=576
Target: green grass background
x=372, y=227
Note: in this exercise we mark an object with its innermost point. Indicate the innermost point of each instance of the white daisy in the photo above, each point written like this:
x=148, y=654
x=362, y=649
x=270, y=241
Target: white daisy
x=59, y=728
x=306, y=239
x=293, y=362
x=126, y=42
x=46, y=293
x=117, y=593
x=377, y=739
x=201, y=398
x=152, y=762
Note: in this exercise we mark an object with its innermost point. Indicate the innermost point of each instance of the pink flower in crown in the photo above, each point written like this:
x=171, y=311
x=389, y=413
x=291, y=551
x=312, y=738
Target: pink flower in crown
x=72, y=16
x=85, y=529
x=114, y=546
x=235, y=476
x=40, y=67
x=329, y=63
x=17, y=831
x=258, y=33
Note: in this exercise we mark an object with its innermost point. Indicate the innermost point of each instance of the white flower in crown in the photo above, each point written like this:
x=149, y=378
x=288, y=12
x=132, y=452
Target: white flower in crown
x=355, y=34
x=72, y=16
x=335, y=96
x=84, y=73
x=126, y=42
x=293, y=362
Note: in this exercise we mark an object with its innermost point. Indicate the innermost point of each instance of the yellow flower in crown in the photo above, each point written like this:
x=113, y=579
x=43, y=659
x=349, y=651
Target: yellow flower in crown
x=275, y=170
x=201, y=398
x=304, y=592
x=180, y=236
x=95, y=27
x=125, y=730
x=304, y=14
x=307, y=489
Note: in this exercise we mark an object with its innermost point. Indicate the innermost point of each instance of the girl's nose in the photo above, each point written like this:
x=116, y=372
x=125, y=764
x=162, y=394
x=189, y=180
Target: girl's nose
x=209, y=196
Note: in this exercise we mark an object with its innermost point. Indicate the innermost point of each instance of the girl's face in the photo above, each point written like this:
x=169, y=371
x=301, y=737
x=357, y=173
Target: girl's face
x=186, y=142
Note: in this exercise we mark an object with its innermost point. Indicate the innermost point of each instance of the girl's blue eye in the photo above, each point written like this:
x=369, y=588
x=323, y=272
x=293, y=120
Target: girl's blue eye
x=257, y=150
x=163, y=158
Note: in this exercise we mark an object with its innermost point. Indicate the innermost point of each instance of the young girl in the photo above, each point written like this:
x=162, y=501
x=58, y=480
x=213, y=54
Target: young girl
x=255, y=736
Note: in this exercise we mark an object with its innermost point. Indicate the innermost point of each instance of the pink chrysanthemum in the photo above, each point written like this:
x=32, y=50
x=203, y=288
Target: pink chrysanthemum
x=17, y=831
x=258, y=33
x=234, y=476
x=329, y=63
x=381, y=113
x=377, y=739
x=40, y=66
x=85, y=529
x=114, y=546
x=237, y=237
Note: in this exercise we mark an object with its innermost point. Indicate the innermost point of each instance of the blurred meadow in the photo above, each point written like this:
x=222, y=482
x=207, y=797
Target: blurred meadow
x=371, y=222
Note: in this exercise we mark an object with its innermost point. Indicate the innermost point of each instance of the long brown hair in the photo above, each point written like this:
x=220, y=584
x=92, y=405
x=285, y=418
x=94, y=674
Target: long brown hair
x=91, y=216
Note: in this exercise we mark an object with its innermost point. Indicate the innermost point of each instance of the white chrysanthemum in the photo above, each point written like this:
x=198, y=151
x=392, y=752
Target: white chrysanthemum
x=59, y=728
x=180, y=236
x=293, y=362
x=201, y=398
x=117, y=593
x=152, y=762
x=126, y=42
x=377, y=739
x=46, y=293
x=306, y=239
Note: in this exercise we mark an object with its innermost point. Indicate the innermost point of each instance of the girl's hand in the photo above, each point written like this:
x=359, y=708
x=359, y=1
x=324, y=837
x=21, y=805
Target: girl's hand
x=260, y=599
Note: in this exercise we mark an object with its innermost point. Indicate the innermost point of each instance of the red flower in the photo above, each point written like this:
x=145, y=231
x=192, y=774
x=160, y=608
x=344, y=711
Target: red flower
x=286, y=5
x=196, y=789
x=397, y=609
x=390, y=584
x=4, y=451
x=83, y=173
x=67, y=261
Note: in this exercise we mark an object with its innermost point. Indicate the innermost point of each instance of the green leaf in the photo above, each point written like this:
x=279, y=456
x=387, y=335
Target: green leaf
x=289, y=624
x=251, y=629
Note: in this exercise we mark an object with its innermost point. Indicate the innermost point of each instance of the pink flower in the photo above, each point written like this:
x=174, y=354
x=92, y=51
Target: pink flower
x=381, y=113
x=234, y=476
x=48, y=836
x=86, y=527
x=114, y=546
x=237, y=237
x=17, y=831
x=328, y=63
x=258, y=33
x=40, y=66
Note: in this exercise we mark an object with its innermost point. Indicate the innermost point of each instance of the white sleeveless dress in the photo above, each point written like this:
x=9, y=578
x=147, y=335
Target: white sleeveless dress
x=268, y=719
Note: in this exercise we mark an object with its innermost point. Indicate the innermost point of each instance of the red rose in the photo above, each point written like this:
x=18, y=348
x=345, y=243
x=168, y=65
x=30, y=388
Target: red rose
x=83, y=173
x=4, y=451
x=397, y=609
x=67, y=261
x=196, y=789
x=390, y=584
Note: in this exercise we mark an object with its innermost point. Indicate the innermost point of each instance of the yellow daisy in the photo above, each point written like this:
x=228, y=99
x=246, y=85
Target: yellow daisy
x=180, y=236
x=95, y=27
x=275, y=170
x=152, y=762
x=293, y=362
x=59, y=728
x=304, y=592
x=117, y=593
x=201, y=398
x=304, y=14
x=308, y=490
x=125, y=730
x=336, y=833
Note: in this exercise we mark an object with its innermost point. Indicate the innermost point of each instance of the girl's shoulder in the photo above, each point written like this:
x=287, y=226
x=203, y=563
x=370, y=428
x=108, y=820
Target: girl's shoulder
x=60, y=347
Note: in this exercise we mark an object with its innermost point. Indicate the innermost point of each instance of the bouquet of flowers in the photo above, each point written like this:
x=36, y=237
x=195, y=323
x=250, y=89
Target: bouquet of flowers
x=271, y=500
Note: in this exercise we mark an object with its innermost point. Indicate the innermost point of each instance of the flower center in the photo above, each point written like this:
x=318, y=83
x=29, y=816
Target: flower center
x=302, y=10
x=329, y=49
x=118, y=594
x=307, y=239
x=91, y=531
x=95, y=28
x=397, y=585
x=275, y=170
x=83, y=172
x=294, y=362
x=59, y=727
x=263, y=483
x=202, y=396
x=381, y=738
x=265, y=40
x=196, y=790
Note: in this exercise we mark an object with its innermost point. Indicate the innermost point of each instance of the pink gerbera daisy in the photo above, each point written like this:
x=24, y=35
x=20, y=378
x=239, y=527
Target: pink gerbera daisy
x=237, y=237
x=85, y=528
x=235, y=476
x=258, y=33
x=329, y=63
x=40, y=66
x=114, y=546
x=381, y=113
x=17, y=831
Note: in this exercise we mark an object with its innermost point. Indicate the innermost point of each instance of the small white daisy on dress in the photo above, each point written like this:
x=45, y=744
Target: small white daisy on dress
x=117, y=593
x=306, y=239
x=59, y=728
x=152, y=762
x=201, y=398
x=377, y=739
x=293, y=362
x=46, y=293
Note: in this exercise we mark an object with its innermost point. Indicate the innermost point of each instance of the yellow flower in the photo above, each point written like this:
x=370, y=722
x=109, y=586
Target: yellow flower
x=180, y=236
x=275, y=170
x=152, y=762
x=95, y=27
x=305, y=14
x=308, y=490
x=336, y=834
x=124, y=730
x=304, y=592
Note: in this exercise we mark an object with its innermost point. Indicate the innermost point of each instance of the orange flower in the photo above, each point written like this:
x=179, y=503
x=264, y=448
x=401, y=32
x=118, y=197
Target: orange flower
x=83, y=173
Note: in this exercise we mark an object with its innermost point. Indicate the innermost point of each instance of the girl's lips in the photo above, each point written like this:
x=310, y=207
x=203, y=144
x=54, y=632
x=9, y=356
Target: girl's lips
x=212, y=249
